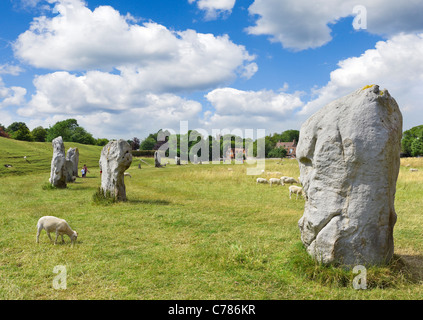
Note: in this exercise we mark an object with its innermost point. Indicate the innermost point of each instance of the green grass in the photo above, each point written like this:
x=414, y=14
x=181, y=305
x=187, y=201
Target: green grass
x=186, y=232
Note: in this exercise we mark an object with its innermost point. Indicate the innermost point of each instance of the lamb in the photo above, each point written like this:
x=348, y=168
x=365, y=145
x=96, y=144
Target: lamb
x=126, y=174
x=53, y=224
x=288, y=180
x=262, y=180
x=275, y=181
x=296, y=190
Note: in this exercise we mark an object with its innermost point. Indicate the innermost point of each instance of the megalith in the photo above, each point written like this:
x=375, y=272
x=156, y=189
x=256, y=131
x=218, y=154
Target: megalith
x=58, y=164
x=73, y=156
x=157, y=159
x=349, y=159
x=115, y=159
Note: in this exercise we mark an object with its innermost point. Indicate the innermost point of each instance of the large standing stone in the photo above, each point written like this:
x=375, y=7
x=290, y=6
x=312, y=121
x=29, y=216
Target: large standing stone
x=70, y=177
x=58, y=164
x=349, y=157
x=115, y=159
x=157, y=159
x=73, y=156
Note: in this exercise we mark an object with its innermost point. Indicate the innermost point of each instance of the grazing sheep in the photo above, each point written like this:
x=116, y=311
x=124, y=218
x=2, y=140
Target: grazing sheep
x=126, y=174
x=274, y=173
x=288, y=180
x=413, y=170
x=275, y=181
x=262, y=180
x=296, y=190
x=59, y=226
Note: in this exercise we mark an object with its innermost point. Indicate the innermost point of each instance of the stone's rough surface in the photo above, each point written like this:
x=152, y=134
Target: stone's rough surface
x=349, y=158
x=58, y=164
x=73, y=156
x=157, y=160
x=115, y=159
x=69, y=171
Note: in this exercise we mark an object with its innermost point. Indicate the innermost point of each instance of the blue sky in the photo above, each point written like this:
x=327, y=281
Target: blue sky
x=127, y=68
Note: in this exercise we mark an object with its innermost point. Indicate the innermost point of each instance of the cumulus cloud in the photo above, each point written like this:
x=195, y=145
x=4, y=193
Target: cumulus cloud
x=303, y=24
x=108, y=104
x=215, y=8
x=78, y=39
x=395, y=64
x=266, y=109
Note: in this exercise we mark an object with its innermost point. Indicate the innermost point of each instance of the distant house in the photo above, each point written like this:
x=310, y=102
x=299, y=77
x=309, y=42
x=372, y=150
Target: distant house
x=235, y=153
x=291, y=148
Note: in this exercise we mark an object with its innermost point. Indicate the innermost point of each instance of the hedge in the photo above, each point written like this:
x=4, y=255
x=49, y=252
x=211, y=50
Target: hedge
x=143, y=153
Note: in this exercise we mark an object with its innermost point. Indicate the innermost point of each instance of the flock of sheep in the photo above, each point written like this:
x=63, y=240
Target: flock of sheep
x=298, y=191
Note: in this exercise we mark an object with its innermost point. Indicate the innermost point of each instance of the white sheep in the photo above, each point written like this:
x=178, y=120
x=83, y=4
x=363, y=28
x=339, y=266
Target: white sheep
x=274, y=173
x=262, y=180
x=413, y=170
x=275, y=181
x=127, y=174
x=296, y=190
x=59, y=226
x=288, y=180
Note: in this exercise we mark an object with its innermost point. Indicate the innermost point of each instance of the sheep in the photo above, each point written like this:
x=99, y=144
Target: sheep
x=127, y=174
x=413, y=170
x=288, y=180
x=53, y=224
x=274, y=173
x=296, y=190
x=262, y=180
x=275, y=181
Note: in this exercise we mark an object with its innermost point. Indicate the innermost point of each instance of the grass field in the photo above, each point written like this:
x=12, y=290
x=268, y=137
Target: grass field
x=186, y=232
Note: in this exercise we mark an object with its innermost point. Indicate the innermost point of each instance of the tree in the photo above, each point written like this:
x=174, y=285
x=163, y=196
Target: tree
x=135, y=143
x=101, y=142
x=70, y=131
x=62, y=128
x=408, y=138
x=39, y=134
x=3, y=132
x=417, y=147
x=277, y=153
x=148, y=143
x=19, y=131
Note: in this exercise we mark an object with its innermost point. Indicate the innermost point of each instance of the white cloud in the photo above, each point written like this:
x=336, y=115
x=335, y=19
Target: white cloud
x=10, y=69
x=273, y=111
x=78, y=39
x=107, y=104
x=11, y=96
x=395, y=64
x=303, y=24
x=215, y=8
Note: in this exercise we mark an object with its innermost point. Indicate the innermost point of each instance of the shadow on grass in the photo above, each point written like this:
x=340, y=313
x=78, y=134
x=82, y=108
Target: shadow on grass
x=149, y=201
x=402, y=270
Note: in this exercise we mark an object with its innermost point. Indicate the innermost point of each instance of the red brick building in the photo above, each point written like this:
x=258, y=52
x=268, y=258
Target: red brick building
x=291, y=148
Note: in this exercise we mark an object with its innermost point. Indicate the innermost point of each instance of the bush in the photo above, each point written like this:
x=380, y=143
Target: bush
x=143, y=153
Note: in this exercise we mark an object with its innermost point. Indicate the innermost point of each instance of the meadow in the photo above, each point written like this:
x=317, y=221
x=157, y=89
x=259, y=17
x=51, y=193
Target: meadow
x=186, y=232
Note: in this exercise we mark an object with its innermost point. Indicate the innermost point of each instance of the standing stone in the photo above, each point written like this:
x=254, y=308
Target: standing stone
x=73, y=156
x=195, y=159
x=178, y=161
x=157, y=160
x=115, y=159
x=58, y=164
x=349, y=158
x=70, y=177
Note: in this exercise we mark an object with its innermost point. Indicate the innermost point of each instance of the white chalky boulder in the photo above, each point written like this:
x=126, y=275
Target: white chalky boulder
x=115, y=159
x=73, y=156
x=58, y=164
x=349, y=158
